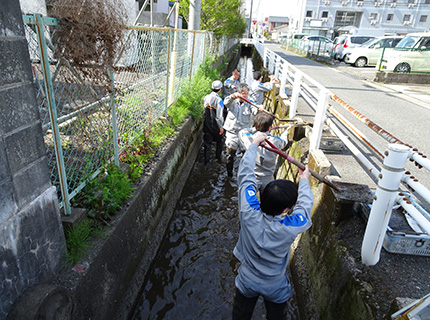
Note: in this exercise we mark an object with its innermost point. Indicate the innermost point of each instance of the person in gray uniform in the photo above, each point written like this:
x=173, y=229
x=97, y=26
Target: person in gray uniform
x=266, y=160
x=231, y=84
x=239, y=116
x=213, y=122
x=258, y=89
x=267, y=231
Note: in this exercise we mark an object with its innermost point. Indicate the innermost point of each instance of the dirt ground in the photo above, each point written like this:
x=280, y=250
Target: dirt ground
x=394, y=276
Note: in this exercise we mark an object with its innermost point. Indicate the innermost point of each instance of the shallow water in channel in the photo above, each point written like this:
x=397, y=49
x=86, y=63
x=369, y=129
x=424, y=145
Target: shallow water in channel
x=193, y=275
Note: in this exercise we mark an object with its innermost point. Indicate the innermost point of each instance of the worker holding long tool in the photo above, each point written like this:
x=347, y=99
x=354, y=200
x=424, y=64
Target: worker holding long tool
x=267, y=231
x=240, y=115
x=258, y=88
x=266, y=160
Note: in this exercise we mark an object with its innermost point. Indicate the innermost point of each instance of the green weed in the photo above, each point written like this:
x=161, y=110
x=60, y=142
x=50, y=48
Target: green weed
x=77, y=240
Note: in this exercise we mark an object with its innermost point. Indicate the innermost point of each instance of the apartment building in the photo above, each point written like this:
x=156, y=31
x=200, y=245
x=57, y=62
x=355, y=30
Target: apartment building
x=372, y=17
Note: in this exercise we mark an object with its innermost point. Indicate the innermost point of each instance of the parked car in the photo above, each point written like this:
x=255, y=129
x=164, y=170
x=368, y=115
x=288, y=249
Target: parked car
x=317, y=44
x=295, y=39
x=412, y=53
x=346, y=42
x=368, y=53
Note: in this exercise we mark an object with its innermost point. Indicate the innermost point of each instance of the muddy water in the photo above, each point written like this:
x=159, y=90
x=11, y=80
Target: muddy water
x=193, y=275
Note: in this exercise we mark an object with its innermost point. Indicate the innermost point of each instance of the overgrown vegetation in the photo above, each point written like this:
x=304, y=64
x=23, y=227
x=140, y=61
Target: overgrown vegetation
x=104, y=194
x=90, y=35
x=222, y=17
x=77, y=240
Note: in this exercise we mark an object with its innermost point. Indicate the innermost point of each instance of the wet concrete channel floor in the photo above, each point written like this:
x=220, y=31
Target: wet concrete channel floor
x=194, y=271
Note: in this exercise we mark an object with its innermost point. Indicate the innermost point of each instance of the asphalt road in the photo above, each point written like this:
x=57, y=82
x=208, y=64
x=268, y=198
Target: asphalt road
x=405, y=118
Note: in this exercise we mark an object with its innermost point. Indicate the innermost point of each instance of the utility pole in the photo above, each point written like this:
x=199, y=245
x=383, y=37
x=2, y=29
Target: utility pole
x=250, y=20
x=194, y=13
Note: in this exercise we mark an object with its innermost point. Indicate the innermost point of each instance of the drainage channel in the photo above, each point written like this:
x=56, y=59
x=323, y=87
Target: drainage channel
x=193, y=274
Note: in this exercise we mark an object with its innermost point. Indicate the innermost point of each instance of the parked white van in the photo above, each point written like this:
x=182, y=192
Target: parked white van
x=368, y=53
x=412, y=54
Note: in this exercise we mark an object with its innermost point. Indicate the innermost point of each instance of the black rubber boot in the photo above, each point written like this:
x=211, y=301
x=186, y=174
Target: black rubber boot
x=230, y=161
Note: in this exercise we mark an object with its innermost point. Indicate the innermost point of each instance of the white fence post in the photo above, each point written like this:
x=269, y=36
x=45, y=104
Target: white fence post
x=265, y=58
x=277, y=66
x=385, y=197
x=295, y=95
x=315, y=140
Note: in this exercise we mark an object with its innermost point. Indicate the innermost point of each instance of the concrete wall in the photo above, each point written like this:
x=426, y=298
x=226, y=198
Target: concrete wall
x=120, y=260
x=398, y=77
x=31, y=234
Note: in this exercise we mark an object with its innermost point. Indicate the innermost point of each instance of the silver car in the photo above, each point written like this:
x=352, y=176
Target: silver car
x=317, y=44
x=369, y=53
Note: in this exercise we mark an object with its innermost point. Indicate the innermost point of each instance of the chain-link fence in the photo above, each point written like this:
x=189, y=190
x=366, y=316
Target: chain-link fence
x=315, y=45
x=88, y=123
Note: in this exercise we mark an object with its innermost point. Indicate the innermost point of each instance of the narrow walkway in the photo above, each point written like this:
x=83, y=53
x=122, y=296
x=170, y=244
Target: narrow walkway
x=193, y=275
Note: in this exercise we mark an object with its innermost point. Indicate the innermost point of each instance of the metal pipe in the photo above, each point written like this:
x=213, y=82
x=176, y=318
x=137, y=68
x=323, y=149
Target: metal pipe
x=386, y=135
x=421, y=159
x=114, y=118
x=53, y=113
x=356, y=132
x=357, y=153
x=415, y=213
x=192, y=56
x=382, y=206
x=322, y=106
x=412, y=182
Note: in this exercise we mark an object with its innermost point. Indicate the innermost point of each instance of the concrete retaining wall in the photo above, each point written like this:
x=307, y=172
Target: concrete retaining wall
x=397, y=77
x=31, y=235
x=119, y=262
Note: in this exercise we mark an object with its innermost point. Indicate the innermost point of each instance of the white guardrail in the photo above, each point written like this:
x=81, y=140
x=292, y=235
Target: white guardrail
x=389, y=177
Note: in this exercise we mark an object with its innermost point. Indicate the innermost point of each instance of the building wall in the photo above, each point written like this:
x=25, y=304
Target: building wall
x=366, y=9
x=31, y=234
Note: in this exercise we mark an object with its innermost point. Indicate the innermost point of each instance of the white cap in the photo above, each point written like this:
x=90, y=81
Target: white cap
x=216, y=85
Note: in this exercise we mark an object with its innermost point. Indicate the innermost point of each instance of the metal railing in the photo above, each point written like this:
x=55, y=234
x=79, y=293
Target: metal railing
x=86, y=123
x=318, y=48
x=392, y=172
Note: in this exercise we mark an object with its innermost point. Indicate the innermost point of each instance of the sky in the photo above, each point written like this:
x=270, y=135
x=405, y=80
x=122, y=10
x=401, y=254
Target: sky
x=266, y=8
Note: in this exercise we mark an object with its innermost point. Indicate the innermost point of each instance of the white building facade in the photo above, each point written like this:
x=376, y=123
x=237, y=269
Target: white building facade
x=368, y=17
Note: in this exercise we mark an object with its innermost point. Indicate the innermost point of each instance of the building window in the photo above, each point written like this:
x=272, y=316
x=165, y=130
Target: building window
x=390, y=17
x=427, y=2
x=423, y=18
x=406, y=17
x=394, y=1
x=309, y=14
x=373, y=16
x=347, y=18
x=324, y=14
x=411, y=1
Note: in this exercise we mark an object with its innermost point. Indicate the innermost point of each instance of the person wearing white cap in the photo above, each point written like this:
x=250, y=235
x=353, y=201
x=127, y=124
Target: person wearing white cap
x=213, y=122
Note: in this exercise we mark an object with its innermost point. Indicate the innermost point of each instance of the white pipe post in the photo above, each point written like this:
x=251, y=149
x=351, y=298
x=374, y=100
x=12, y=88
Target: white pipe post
x=284, y=79
x=384, y=199
x=296, y=91
x=265, y=58
x=277, y=66
x=322, y=106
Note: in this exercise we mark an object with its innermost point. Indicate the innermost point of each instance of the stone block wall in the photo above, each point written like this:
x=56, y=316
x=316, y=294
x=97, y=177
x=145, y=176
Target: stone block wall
x=31, y=234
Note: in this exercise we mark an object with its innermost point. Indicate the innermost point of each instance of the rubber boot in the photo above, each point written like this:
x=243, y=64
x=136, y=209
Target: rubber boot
x=230, y=161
